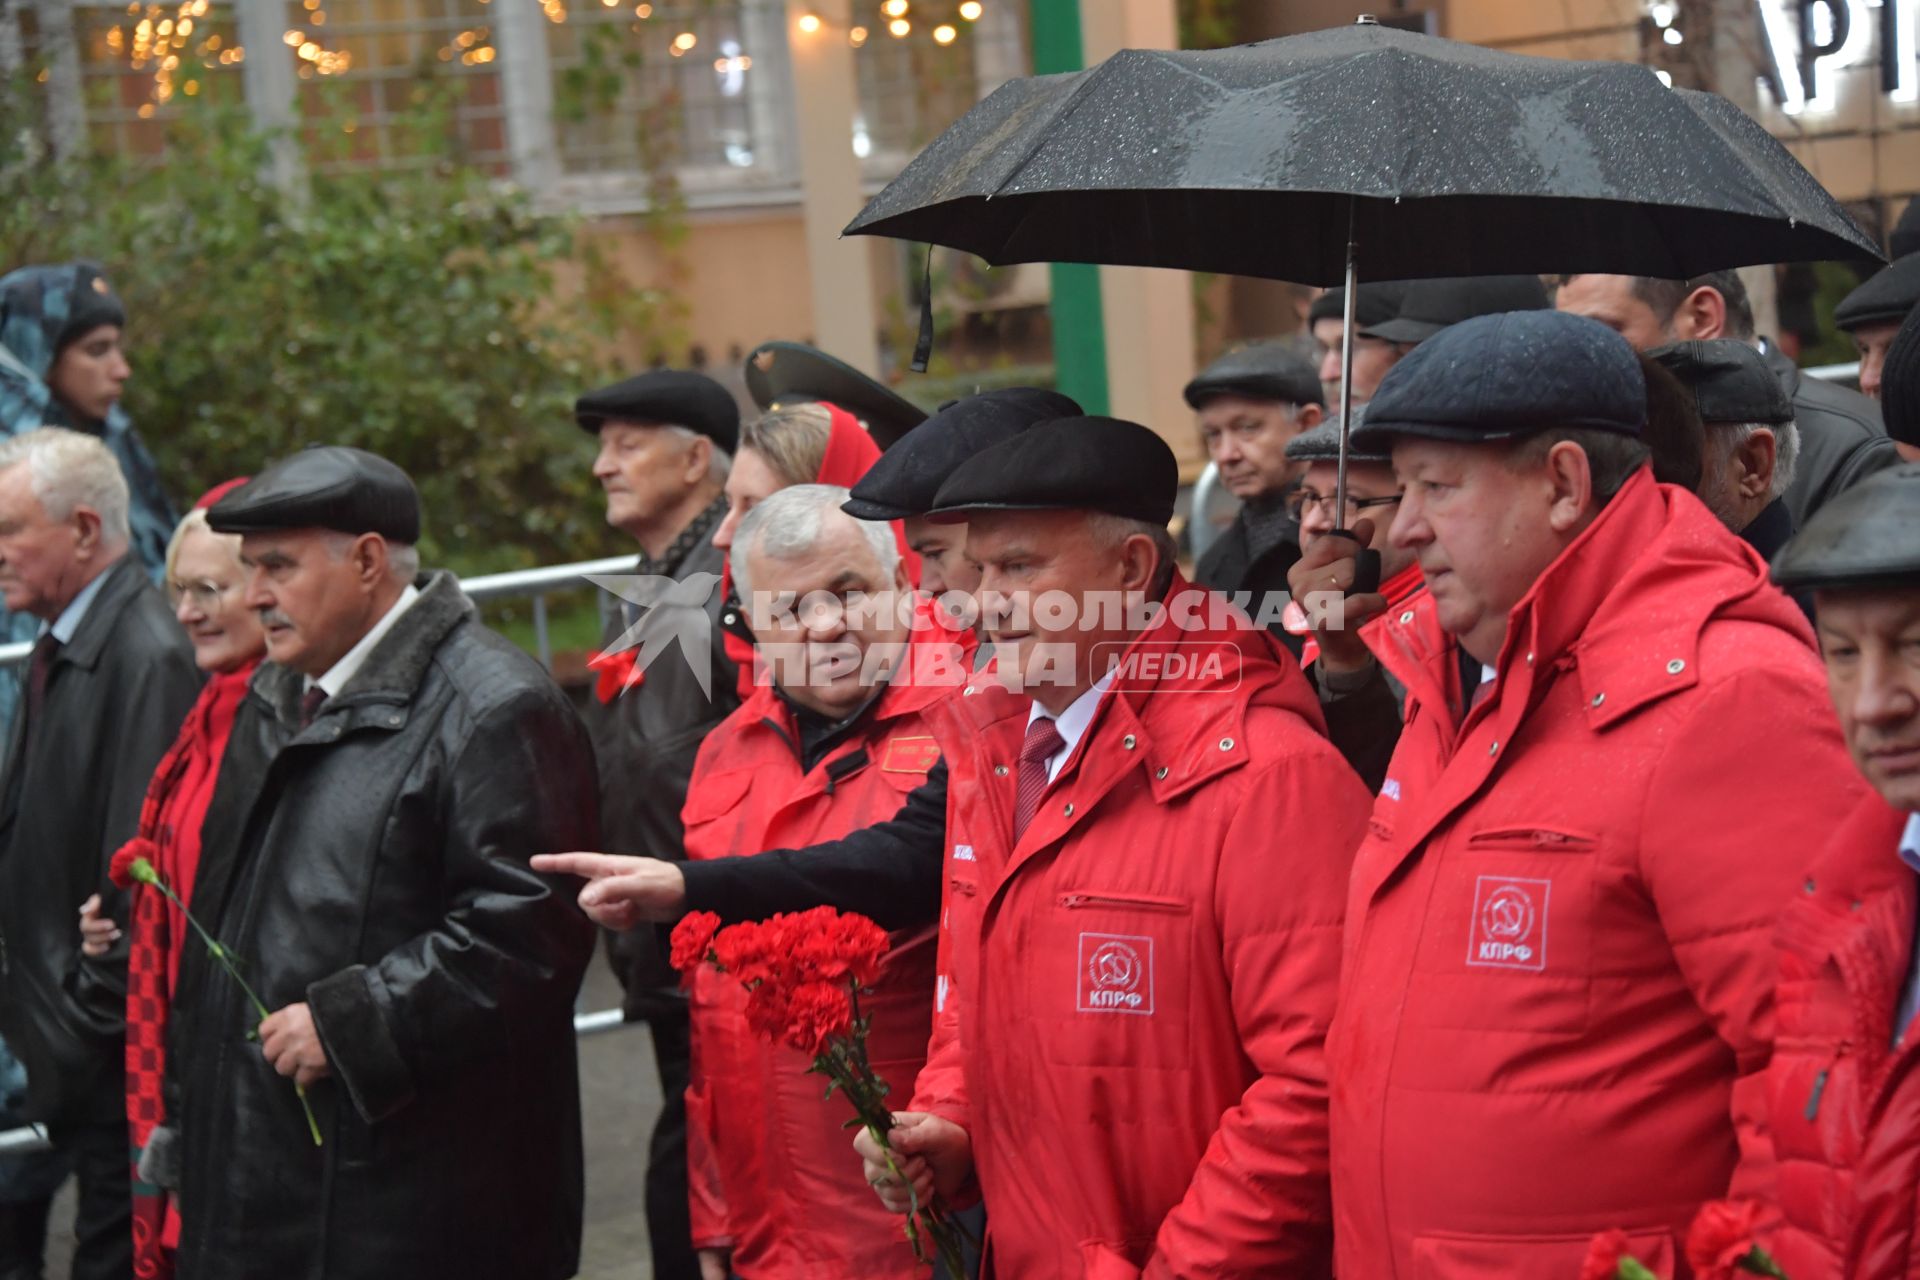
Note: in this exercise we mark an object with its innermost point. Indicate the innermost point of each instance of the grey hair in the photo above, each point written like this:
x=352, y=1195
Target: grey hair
x=719, y=461
x=1111, y=531
x=1611, y=457
x=70, y=469
x=1786, y=448
x=403, y=558
x=790, y=522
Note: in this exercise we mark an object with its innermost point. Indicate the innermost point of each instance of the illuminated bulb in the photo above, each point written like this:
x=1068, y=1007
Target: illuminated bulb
x=1664, y=78
x=685, y=41
x=894, y=8
x=294, y=39
x=944, y=34
x=1672, y=35
x=809, y=22
x=643, y=11
x=146, y=111
x=309, y=51
x=971, y=10
x=857, y=36
x=900, y=27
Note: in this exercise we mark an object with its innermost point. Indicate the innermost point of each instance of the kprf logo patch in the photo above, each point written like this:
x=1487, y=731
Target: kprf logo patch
x=1509, y=926
x=1116, y=973
x=910, y=755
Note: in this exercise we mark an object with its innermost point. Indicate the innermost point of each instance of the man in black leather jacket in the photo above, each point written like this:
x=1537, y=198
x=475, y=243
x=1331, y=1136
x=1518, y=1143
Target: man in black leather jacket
x=111, y=678
x=390, y=773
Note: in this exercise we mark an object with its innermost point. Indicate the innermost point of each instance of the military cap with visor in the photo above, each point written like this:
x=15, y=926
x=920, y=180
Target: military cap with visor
x=783, y=374
x=1087, y=464
x=324, y=487
x=904, y=480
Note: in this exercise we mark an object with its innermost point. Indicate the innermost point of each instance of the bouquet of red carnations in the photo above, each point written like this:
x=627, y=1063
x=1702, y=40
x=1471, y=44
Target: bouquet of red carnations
x=1720, y=1246
x=803, y=974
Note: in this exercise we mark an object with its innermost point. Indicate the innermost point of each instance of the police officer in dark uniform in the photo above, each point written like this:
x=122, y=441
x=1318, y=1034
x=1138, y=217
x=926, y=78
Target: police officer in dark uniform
x=665, y=438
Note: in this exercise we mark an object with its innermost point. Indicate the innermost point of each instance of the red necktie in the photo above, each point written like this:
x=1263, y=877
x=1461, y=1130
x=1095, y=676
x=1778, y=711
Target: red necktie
x=310, y=704
x=39, y=668
x=1043, y=742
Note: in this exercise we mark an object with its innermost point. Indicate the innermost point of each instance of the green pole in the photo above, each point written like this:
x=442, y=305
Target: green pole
x=1079, y=334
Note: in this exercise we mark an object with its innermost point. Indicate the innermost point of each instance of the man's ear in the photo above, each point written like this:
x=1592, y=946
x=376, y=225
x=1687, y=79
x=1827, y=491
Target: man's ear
x=89, y=530
x=1702, y=314
x=370, y=560
x=1753, y=461
x=699, y=460
x=1309, y=416
x=1139, y=560
x=1570, y=474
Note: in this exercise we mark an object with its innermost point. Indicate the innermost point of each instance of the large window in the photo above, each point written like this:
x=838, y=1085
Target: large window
x=922, y=64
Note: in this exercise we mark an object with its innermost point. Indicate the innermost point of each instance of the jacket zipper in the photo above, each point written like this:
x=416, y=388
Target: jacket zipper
x=1820, y=1081
x=1076, y=901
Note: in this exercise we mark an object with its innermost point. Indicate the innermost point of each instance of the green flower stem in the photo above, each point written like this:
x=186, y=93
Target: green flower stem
x=225, y=958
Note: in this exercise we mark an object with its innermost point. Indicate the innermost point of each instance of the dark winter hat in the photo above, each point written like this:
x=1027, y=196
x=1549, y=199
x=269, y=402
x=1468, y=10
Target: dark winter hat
x=906, y=478
x=666, y=398
x=1379, y=302
x=1906, y=232
x=1322, y=443
x=1268, y=371
x=1432, y=305
x=1867, y=537
x=1729, y=381
x=92, y=304
x=324, y=487
x=1887, y=296
x=1900, y=382
x=782, y=374
x=1090, y=464
x=1506, y=376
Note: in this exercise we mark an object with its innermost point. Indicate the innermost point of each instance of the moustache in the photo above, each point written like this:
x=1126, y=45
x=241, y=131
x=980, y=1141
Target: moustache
x=274, y=618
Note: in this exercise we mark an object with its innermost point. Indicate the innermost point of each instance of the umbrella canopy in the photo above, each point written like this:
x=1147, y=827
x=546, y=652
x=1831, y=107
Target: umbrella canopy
x=1442, y=158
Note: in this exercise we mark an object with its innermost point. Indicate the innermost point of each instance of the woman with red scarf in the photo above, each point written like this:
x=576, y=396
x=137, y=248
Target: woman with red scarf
x=204, y=580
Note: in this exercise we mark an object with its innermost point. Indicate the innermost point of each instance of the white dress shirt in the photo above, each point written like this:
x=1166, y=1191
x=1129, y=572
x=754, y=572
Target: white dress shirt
x=1072, y=723
x=353, y=659
x=76, y=611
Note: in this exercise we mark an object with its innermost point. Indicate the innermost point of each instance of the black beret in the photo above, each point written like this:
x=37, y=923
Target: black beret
x=1268, y=371
x=1867, y=537
x=665, y=397
x=1886, y=297
x=1906, y=232
x=324, y=487
x=1088, y=464
x=1728, y=380
x=1900, y=382
x=1505, y=376
x=783, y=374
x=1379, y=302
x=1322, y=443
x=906, y=478
x=91, y=304
x=1432, y=305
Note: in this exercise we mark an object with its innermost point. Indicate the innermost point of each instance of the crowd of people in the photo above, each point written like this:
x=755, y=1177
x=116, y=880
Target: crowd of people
x=1396, y=895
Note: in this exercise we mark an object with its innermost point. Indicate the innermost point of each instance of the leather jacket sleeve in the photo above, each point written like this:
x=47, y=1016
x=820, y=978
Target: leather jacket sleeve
x=447, y=998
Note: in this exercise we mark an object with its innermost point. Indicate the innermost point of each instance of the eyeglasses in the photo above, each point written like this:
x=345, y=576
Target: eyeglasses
x=204, y=594
x=1300, y=501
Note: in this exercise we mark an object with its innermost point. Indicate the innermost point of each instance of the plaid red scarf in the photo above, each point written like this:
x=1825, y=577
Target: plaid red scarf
x=176, y=803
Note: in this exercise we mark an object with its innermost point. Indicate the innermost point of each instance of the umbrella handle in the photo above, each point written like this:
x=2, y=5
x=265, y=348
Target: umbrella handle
x=1366, y=564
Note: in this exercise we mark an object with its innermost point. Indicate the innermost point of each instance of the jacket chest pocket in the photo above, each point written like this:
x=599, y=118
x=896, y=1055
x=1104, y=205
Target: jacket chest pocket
x=712, y=814
x=1110, y=980
x=1508, y=941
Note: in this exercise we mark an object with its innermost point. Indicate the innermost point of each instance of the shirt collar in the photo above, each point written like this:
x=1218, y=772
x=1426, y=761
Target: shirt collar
x=1910, y=842
x=1072, y=723
x=350, y=663
x=76, y=611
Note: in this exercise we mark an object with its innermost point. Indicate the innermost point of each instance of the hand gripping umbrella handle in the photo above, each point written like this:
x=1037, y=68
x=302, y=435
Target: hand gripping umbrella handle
x=1366, y=564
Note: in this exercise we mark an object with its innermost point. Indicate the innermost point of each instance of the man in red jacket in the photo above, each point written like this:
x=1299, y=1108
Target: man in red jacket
x=1845, y=1075
x=1555, y=1002
x=1149, y=842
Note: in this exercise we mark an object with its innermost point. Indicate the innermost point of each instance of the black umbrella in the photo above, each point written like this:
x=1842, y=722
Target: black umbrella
x=1363, y=152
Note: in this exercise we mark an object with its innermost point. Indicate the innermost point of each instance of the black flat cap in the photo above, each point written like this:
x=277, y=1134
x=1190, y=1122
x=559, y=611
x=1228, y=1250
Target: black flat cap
x=324, y=487
x=1729, y=381
x=906, y=478
x=1322, y=443
x=1867, y=537
x=1087, y=464
x=781, y=374
x=1900, y=382
x=665, y=398
x=1268, y=371
x=1906, y=232
x=1887, y=296
x=1432, y=305
x=1505, y=376
x=1379, y=302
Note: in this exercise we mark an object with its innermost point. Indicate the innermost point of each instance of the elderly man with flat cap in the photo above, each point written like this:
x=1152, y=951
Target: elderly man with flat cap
x=1872, y=314
x=365, y=858
x=1752, y=443
x=666, y=438
x=1376, y=303
x=1251, y=403
x=1845, y=1072
x=1560, y=922
x=1148, y=847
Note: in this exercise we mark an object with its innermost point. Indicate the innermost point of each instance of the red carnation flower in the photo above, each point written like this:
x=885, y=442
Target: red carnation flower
x=1604, y=1254
x=768, y=1007
x=692, y=940
x=1722, y=1239
x=819, y=1011
x=133, y=863
x=747, y=951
